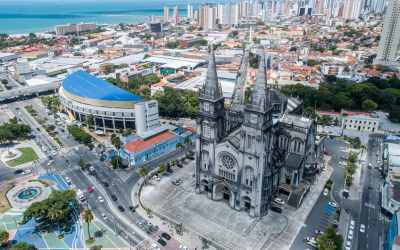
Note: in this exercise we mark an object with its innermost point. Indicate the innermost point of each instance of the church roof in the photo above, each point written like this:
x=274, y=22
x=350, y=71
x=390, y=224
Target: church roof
x=294, y=161
x=238, y=92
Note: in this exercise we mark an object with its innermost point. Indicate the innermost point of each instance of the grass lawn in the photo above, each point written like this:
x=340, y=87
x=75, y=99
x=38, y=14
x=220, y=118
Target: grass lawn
x=4, y=204
x=28, y=155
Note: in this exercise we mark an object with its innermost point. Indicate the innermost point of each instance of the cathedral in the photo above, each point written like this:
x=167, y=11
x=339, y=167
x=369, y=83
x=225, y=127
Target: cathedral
x=247, y=151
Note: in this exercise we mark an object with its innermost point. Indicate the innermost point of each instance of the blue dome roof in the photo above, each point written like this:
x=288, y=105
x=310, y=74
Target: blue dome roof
x=83, y=84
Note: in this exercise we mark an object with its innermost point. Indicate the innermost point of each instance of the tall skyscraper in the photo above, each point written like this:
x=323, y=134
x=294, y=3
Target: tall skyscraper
x=390, y=37
x=352, y=9
x=175, y=15
x=166, y=14
x=190, y=11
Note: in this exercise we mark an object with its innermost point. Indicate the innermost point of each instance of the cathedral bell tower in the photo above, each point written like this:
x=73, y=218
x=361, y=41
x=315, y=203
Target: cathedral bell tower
x=210, y=124
x=258, y=112
x=211, y=105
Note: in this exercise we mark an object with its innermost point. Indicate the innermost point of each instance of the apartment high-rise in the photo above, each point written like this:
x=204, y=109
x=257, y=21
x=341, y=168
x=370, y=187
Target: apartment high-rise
x=190, y=11
x=388, y=51
x=352, y=9
x=175, y=15
x=166, y=14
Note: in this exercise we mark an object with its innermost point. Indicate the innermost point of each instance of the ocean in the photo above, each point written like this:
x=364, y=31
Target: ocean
x=24, y=16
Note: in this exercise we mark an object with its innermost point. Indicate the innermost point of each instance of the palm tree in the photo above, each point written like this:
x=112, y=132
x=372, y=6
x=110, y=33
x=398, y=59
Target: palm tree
x=116, y=142
x=4, y=235
x=88, y=217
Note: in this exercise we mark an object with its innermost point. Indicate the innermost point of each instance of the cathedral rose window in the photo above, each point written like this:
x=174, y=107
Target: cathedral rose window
x=227, y=161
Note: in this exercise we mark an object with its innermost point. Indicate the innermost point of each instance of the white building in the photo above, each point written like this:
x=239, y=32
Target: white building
x=352, y=9
x=166, y=14
x=390, y=37
x=74, y=28
x=359, y=121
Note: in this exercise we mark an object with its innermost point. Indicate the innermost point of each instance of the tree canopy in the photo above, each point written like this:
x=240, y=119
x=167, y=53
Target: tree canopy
x=79, y=135
x=373, y=94
x=23, y=246
x=57, y=211
x=330, y=240
x=12, y=130
x=177, y=103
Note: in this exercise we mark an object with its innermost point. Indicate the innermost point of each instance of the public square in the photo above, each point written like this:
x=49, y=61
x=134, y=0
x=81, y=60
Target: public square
x=215, y=221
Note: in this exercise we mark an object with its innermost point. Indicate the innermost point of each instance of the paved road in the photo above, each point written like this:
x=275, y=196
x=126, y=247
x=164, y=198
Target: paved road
x=370, y=215
x=322, y=215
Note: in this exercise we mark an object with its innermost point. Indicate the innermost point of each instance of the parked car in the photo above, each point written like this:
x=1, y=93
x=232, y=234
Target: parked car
x=104, y=216
x=362, y=228
x=121, y=208
x=18, y=171
x=350, y=234
x=106, y=184
x=90, y=189
x=132, y=209
x=326, y=192
x=162, y=242
x=276, y=209
x=279, y=201
x=166, y=236
x=101, y=200
x=333, y=204
x=113, y=197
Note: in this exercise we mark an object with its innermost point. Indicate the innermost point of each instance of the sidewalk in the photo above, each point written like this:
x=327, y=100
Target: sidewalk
x=355, y=189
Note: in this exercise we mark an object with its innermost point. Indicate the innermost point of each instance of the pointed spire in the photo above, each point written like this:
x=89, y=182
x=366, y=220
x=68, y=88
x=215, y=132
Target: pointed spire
x=238, y=92
x=211, y=88
x=260, y=96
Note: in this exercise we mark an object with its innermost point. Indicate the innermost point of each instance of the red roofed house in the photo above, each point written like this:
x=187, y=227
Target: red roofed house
x=138, y=150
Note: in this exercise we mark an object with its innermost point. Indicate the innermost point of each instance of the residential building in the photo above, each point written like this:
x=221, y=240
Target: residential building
x=74, y=28
x=389, y=43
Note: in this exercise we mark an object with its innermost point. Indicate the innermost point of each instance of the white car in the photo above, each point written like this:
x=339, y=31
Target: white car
x=326, y=192
x=333, y=204
x=279, y=201
x=350, y=234
x=311, y=241
x=104, y=216
x=352, y=224
x=28, y=171
x=362, y=228
x=101, y=200
x=348, y=243
x=68, y=180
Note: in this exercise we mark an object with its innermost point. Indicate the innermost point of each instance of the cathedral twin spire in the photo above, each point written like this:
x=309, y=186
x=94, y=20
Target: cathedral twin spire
x=259, y=98
x=211, y=89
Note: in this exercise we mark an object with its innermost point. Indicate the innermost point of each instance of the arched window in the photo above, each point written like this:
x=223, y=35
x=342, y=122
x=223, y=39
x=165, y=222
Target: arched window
x=205, y=159
x=248, y=176
x=282, y=142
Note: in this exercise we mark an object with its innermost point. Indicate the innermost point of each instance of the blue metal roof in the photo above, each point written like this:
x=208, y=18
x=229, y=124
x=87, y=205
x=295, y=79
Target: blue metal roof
x=83, y=84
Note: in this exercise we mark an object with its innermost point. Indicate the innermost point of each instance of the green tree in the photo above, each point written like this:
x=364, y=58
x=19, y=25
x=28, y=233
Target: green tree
x=57, y=211
x=4, y=236
x=23, y=246
x=88, y=218
x=330, y=240
x=162, y=168
x=142, y=172
x=96, y=247
x=369, y=105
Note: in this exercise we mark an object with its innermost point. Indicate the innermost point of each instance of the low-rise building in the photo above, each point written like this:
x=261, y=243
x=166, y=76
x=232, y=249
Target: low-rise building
x=360, y=121
x=139, y=150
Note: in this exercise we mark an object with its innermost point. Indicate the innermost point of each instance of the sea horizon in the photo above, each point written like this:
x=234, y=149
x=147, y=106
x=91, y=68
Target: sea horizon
x=28, y=16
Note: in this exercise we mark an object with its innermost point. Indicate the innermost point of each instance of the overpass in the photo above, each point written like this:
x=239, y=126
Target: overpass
x=28, y=91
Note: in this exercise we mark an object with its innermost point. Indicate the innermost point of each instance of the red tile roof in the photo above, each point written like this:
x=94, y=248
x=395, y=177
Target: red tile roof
x=140, y=145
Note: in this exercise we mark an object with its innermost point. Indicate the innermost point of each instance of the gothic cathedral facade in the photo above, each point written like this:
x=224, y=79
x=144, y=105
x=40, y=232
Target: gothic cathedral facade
x=245, y=151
